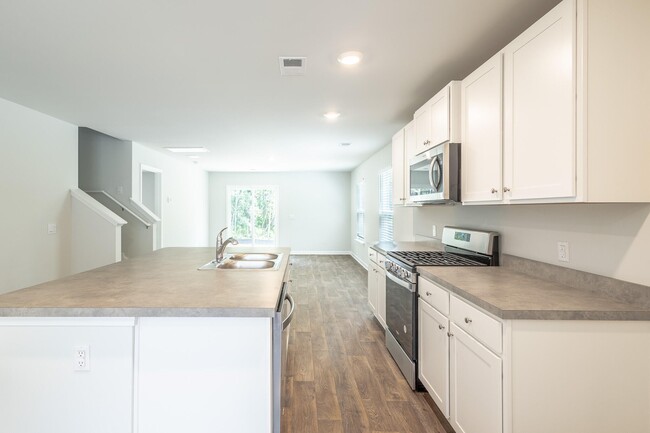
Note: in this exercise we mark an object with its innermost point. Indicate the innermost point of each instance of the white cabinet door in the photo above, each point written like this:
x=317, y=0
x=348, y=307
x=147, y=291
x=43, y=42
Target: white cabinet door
x=372, y=286
x=475, y=385
x=539, y=104
x=381, y=297
x=440, y=117
x=482, y=144
x=204, y=375
x=410, y=145
x=422, y=119
x=398, y=168
x=433, y=354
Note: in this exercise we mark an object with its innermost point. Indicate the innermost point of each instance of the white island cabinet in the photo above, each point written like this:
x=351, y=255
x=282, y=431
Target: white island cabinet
x=148, y=345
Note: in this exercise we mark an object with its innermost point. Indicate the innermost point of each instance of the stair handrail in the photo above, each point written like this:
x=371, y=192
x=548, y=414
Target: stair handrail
x=124, y=207
x=146, y=212
x=96, y=207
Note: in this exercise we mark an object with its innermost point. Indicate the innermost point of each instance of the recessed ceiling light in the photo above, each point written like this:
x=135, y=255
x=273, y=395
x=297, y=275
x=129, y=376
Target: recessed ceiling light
x=187, y=149
x=332, y=115
x=350, y=57
x=193, y=156
x=345, y=144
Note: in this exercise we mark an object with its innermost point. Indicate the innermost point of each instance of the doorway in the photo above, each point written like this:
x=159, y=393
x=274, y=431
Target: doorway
x=151, y=195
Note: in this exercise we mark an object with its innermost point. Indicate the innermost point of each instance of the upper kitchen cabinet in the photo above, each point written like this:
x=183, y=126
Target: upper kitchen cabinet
x=437, y=121
x=482, y=141
x=398, y=165
x=540, y=109
x=572, y=125
x=403, y=147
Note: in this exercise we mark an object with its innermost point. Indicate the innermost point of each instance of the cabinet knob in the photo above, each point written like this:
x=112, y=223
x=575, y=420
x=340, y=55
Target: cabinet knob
x=441, y=327
x=468, y=320
x=428, y=293
x=506, y=189
x=494, y=190
x=449, y=334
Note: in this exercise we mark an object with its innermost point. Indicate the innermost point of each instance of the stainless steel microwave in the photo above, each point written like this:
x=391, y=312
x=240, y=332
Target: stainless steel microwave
x=434, y=175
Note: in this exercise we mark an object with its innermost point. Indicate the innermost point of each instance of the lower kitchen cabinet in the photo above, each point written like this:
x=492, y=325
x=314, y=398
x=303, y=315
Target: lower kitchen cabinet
x=377, y=286
x=433, y=354
x=475, y=385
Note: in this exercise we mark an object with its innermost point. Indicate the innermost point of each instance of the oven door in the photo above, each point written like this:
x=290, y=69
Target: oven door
x=401, y=304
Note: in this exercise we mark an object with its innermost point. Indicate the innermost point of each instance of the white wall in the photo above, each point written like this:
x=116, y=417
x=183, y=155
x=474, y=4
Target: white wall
x=605, y=239
x=185, y=196
x=368, y=171
x=38, y=166
x=313, y=207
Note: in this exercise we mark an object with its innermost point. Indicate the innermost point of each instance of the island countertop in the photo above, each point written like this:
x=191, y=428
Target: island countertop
x=165, y=283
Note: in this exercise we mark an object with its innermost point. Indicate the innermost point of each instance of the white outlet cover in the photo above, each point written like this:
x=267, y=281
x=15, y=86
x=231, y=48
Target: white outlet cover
x=563, y=251
x=81, y=358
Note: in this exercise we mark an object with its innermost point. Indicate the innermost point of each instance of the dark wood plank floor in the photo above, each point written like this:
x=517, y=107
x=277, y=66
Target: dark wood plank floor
x=340, y=377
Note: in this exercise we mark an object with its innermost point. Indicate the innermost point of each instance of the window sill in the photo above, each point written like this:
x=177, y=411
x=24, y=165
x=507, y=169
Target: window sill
x=360, y=241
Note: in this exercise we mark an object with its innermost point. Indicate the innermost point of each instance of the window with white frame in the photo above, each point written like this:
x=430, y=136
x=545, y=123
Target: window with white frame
x=360, y=211
x=252, y=213
x=386, y=205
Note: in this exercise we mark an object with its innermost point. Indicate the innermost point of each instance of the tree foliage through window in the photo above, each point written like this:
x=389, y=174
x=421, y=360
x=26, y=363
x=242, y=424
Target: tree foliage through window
x=253, y=214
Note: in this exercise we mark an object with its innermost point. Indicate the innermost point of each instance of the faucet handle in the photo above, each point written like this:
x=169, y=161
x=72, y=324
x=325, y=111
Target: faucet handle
x=220, y=235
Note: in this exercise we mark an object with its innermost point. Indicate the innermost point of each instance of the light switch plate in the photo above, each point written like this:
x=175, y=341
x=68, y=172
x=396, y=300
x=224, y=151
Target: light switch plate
x=51, y=229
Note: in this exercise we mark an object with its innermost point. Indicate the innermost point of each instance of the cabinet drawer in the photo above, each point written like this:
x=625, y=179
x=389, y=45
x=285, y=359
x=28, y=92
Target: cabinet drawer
x=380, y=261
x=434, y=295
x=372, y=255
x=476, y=323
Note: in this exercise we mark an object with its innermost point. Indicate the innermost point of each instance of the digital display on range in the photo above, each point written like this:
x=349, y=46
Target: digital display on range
x=460, y=236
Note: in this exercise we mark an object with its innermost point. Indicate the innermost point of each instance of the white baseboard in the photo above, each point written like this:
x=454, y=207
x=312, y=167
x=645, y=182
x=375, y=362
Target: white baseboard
x=363, y=265
x=320, y=253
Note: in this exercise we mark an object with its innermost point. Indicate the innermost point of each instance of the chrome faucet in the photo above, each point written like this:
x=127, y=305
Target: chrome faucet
x=221, y=244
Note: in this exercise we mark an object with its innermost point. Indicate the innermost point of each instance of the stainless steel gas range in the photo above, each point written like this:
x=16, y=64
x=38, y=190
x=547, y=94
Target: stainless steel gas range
x=463, y=247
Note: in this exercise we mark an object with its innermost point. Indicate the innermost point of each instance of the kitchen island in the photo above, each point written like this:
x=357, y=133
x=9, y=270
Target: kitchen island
x=150, y=344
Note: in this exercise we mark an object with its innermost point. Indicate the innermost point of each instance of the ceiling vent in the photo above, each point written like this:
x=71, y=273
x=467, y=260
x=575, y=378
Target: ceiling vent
x=293, y=65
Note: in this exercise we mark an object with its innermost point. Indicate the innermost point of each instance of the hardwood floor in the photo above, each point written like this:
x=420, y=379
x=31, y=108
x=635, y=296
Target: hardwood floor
x=340, y=377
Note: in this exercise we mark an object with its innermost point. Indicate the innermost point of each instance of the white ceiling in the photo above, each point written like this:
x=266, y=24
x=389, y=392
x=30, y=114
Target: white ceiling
x=205, y=72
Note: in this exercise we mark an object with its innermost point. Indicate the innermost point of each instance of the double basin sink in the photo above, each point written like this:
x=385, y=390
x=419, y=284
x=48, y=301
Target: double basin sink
x=246, y=261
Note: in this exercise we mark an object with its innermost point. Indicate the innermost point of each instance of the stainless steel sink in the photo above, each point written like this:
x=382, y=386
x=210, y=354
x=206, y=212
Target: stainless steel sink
x=245, y=264
x=246, y=261
x=253, y=256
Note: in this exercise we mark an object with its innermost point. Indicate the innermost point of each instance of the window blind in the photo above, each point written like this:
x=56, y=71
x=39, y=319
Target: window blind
x=386, y=205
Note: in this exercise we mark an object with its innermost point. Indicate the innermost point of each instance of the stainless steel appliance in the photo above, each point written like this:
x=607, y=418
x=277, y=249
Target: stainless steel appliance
x=463, y=247
x=435, y=175
x=281, y=321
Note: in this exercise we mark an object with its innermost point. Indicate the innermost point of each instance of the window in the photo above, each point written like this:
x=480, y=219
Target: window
x=360, y=212
x=386, y=205
x=252, y=212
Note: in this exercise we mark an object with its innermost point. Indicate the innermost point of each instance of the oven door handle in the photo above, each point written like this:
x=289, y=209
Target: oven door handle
x=407, y=285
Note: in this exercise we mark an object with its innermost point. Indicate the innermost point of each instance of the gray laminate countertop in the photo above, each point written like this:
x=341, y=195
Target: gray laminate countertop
x=163, y=283
x=512, y=295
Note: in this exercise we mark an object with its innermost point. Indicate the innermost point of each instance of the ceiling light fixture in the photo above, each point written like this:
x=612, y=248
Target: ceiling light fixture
x=345, y=144
x=187, y=149
x=350, y=58
x=332, y=115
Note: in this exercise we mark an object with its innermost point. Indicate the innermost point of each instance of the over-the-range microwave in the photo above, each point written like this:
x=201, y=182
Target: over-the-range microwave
x=435, y=175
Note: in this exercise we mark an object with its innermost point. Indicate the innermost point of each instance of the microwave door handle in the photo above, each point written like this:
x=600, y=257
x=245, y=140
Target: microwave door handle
x=434, y=161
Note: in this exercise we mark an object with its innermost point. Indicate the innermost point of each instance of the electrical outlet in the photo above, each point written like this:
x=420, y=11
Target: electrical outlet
x=434, y=231
x=81, y=358
x=563, y=251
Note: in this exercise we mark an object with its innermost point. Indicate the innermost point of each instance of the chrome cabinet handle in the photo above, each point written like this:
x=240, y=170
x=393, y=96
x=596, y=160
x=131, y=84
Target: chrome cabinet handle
x=428, y=293
x=441, y=327
x=506, y=189
x=468, y=320
x=494, y=190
